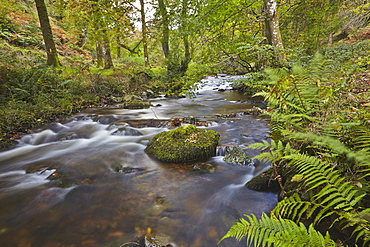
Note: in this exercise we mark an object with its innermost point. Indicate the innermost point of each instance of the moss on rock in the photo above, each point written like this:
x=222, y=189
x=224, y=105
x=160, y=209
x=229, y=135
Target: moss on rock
x=264, y=182
x=183, y=144
x=136, y=104
x=236, y=155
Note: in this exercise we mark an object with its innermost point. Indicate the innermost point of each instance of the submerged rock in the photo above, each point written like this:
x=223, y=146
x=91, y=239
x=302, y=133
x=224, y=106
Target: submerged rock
x=127, y=131
x=237, y=156
x=265, y=182
x=136, y=104
x=183, y=144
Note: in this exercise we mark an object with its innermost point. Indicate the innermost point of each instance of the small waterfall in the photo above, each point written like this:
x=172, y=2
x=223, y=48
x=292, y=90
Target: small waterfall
x=221, y=150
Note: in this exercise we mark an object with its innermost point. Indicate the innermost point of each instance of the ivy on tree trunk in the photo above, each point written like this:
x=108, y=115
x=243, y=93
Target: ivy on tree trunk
x=51, y=51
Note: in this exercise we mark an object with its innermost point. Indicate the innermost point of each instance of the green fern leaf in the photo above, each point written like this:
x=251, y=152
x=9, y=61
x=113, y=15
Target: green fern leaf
x=299, y=235
x=293, y=208
x=238, y=231
x=270, y=231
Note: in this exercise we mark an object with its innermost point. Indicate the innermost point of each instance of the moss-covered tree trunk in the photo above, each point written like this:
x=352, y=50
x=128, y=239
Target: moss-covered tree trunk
x=108, y=61
x=118, y=41
x=103, y=49
x=165, y=29
x=272, y=28
x=51, y=51
x=144, y=33
x=99, y=54
x=184, y=16
x=177, y=63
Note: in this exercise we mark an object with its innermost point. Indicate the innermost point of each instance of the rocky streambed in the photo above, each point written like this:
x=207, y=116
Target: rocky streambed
x=89, y=181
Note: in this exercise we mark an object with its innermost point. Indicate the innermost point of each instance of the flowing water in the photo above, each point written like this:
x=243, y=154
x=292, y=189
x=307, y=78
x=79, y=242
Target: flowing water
x=88, y=182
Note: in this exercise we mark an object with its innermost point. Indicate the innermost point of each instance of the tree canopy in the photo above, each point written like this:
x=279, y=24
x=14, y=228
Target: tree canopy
x=174, y=34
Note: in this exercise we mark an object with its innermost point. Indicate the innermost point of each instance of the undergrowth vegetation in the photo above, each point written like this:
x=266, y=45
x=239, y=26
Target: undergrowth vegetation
x=318, y=105
x=319, y=151
x=32, y=94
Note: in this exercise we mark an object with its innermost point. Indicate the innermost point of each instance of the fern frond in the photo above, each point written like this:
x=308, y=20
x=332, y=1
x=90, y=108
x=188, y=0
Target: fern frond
x=269, y=231
x=334, y=147
x=361, y=222
x=361, y=141
x=303, y=237
x=238, y=231
x=361, y=233
x=334, y=144
x=335, y=194
x=276, y=150
x=336, y=169
x=264, y=145
x=294, y=208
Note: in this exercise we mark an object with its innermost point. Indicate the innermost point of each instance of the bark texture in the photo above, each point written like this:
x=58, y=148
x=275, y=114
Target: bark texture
x=165, y=29
x=144, y=33
x=108, y=61
x=103, y=50
x=51, y=51
x=272, y=27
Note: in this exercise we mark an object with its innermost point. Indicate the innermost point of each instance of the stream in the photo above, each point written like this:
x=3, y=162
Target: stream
x=88, y=182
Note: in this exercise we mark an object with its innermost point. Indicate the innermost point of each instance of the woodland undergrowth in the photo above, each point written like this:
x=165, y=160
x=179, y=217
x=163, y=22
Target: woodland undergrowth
x=319, y=151
x=32, y=94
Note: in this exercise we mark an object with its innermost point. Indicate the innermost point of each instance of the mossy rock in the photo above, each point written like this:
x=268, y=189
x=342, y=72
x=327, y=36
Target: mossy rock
x=183, y=144
x=236, y=156
x=264, y=182
x=136, y=104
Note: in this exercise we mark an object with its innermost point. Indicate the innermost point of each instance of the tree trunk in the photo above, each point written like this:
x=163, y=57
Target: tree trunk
x=103, y=51
x=178, y=60
x=118, y=40
x=51, y=51
x=186, y=61
x=272, y=28
x=330, y=39
x=144, y=33
x=108, y=62
x=165, y=29
x=99, y=54
x=82, y=38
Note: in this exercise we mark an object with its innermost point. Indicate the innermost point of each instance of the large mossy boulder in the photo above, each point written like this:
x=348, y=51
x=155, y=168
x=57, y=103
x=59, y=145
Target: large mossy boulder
x=183, y=144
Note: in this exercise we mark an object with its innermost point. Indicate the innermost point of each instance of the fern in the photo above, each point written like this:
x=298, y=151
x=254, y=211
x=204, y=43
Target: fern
x=305, y=237
x=297, y=97
x=276, y=150
x=361, y=156
x=329, y=153
x=300, y=91
x=361, y=141
x=273, y=231
x=333, y=193
x=294, y=208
